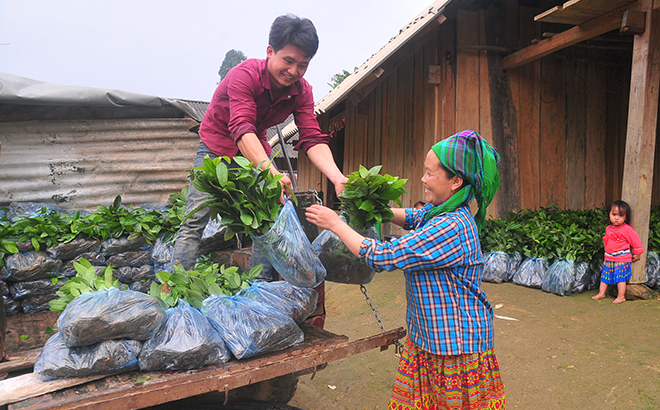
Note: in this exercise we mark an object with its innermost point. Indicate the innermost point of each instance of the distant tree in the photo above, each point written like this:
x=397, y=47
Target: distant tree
x=232, y=59
x=338, y=78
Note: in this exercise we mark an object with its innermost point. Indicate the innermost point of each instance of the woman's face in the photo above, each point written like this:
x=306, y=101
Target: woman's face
x=438, y=186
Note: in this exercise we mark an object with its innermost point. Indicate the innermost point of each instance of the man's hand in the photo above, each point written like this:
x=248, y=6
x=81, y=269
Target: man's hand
x=286, y=186
x=339, y=185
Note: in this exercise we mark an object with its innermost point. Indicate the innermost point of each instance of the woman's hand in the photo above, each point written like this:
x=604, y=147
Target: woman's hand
x=635, y=258
x=323, y=217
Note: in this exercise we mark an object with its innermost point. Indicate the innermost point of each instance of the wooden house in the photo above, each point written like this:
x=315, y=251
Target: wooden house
x=566, y=91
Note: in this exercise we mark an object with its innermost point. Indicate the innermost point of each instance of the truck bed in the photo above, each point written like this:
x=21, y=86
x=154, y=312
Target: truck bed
x=137, y=389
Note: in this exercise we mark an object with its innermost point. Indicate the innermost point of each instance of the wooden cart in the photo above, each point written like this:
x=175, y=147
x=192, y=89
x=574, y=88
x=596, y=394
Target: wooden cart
x=136, y=389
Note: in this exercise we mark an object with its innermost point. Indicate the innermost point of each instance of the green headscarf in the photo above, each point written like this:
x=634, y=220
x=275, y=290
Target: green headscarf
x=472, y=158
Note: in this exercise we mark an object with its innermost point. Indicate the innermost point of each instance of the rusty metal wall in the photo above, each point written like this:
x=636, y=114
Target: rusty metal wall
x=81, y=164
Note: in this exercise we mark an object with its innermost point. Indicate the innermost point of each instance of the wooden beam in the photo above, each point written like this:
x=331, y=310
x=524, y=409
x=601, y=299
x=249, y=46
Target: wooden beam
x=577, y=12
x=641, y=133
x=596, y=27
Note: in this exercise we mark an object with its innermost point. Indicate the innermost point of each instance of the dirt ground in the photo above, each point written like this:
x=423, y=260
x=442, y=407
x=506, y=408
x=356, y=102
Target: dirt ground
x=554, y=352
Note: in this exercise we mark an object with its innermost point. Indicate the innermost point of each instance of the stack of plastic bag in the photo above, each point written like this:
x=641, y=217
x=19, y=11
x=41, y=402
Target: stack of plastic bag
x=296, y=302
x=186, y=342
x=100, y=332
x=249, y=327
x=288, y=249
x=340, y=264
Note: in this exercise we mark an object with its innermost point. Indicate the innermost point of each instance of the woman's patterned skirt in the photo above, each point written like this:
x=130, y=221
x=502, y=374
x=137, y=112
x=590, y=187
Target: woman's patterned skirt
x=430, y=382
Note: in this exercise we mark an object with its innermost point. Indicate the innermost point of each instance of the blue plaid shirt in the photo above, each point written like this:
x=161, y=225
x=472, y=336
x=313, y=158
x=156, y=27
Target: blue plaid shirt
x=447, y=313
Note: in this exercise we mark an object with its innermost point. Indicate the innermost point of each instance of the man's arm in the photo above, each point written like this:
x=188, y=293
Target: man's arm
x=321, y=156
x=251, y=148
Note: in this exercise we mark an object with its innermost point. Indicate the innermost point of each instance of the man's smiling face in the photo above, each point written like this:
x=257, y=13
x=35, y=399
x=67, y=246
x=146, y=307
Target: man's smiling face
x=286, y=66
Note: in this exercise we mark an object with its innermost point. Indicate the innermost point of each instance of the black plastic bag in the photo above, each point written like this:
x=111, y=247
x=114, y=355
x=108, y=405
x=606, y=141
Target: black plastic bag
x=512, y=265
x=288, y=249
x=296, y=302
x=37, y=303
x=24, y=267
x=594, y=279
x=58, y=361
x=122, y=244
x=130, y=258
x=187, y=341
x=21, y=290
x=12, y=307
x=95, y=317
x=559, y=278
x=249, y=327
x=340, y=264
x=95, y=258
x=582, y=277
x=531, y=272
x=495, y=267
x=73, y=248
x=652, y=270
x=128, y=274
x=213, y=238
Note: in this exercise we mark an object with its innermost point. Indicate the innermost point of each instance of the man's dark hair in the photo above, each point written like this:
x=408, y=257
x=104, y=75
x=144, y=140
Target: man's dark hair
x=299, y=32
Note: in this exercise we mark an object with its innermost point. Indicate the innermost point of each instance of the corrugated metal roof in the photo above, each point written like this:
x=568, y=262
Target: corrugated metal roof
x=80, y=164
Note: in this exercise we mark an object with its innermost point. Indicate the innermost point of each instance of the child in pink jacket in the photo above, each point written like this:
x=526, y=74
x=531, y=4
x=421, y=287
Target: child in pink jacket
x=622, y=246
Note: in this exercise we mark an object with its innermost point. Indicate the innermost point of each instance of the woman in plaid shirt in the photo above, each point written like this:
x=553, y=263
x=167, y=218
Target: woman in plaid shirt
x=448, y=360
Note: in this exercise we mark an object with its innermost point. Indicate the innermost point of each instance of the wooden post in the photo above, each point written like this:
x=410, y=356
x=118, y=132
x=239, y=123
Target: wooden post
x=641, y=134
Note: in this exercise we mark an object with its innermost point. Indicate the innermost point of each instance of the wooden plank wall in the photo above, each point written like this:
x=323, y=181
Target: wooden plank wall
x=569, y=114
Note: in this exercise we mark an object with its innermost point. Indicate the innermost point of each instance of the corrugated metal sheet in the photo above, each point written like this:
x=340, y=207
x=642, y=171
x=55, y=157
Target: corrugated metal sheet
x=80, y=164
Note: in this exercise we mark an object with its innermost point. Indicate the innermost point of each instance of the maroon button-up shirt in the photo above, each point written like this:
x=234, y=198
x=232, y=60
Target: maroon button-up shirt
x=243, y=103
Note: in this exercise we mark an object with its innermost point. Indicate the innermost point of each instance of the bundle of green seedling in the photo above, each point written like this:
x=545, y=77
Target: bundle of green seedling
x=367, y=195
x=245, y=197
x=193, y=286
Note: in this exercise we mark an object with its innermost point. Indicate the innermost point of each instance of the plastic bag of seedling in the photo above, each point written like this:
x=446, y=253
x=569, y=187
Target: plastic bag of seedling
x=298, y=303
x=340, y=264
x=288, y=249
x=531, y=272
x=582, y=277
x=58, y=361
x=95, y=317
x=250, y=327
x=559, y=278
x=652, y=270
x=512, y=265
x=29, y=266
x=187, y=341
x=495, y=267
x=594, y=279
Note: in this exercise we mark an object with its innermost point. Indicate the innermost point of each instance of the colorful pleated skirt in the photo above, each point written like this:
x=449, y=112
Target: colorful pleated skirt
x=615, y=272
x=430, y=382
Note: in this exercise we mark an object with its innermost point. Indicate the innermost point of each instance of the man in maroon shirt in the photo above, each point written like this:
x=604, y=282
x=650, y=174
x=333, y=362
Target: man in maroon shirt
x=254, y=96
